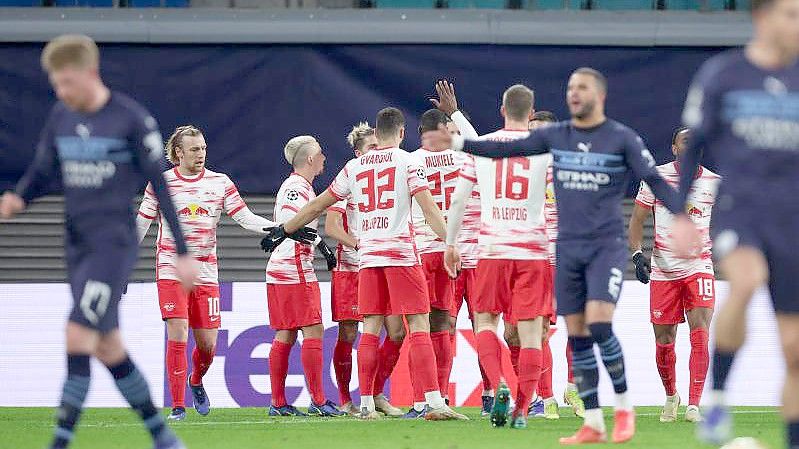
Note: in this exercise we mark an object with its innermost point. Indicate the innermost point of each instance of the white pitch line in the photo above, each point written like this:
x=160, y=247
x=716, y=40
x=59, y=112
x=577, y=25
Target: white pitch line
x=339, y=420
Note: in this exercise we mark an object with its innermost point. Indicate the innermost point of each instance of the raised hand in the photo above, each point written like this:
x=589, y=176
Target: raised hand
x=446, y=102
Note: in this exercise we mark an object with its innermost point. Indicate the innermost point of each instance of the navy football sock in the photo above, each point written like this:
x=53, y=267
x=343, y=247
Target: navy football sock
x=134, y=389
x=612, y=356
x=72, y=397
x=722, y=363
x=586, y=373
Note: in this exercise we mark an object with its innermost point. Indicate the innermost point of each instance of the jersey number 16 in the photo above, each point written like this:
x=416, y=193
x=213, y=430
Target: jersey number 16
x=515, y=186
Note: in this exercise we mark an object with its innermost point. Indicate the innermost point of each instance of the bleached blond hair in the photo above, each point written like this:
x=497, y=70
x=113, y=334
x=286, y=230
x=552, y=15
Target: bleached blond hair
x=75, y=50
x=358, y=133
x=176, y=140
x=297, y=148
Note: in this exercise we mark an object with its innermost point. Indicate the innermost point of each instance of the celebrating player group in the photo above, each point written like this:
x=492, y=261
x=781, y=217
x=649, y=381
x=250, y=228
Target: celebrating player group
x=523, y=224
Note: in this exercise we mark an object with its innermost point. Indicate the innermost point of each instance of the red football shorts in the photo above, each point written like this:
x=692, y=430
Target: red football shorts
x=668, y=300
x=439, y=284
x=344, y=296
x=392, y=291
x=515, y=288
x=293, y=306
x=200, y=306
x=464, y=291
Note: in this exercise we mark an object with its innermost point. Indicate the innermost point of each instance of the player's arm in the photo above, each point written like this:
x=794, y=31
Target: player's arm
x=535, y=144
x=334, y=227
x=457, y=208
x=148, y=210
x=447, y=103
x=640, y=160
x=432, y=214
x=641, y=212
x=37, y=178
x=149, y=149
x=237, y=209
x=464, y=125
x=310, y=212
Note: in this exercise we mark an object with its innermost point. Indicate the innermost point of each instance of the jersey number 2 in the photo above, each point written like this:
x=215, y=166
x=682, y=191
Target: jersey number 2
x=514, y=187
x=376, y=185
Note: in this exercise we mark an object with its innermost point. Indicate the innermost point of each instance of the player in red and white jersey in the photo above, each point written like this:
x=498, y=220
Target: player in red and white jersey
x=464, y=284
x=340, y=224
x=680, y=287
x=200, y=196
x=513, y=254
x=295, y=302
x=390, y=281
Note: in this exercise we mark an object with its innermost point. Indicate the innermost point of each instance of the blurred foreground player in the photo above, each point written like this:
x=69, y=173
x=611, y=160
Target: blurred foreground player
x=390, y=281
x=681, y=287
x=593, y=158
x=102, y=146
x=295, y=302
x=513, y=265
x=742, y=112
x=200, y=196
x=340, y=224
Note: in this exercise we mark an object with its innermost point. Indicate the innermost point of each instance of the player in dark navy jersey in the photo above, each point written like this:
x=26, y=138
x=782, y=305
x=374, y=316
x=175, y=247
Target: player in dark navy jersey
x=743, y=107
x=593, y=159
x=102, y=146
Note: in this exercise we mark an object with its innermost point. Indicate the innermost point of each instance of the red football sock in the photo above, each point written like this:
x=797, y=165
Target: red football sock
x=569, y=362
x=489, y=355
x=311, y=355
x=423, y=362
x=545, y=381
x=342, y=365
x=666, y=359
x=278, y=370
x=368, y=361
x=389, y=354
x=442, y=349
x=697, y=365
x=176, y=366
x=486, y=382
x=529, y=373
x=514, y=358
x=452, y=338
x=200, y=361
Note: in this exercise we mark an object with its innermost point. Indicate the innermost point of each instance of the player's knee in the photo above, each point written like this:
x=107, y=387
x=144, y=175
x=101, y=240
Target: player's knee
x=315, y=331
x=347, y=332
x=439, y=321
x=397, y=334
x=110, y=352
x=177, y=329
x=664, y=338
x=600, y=331
x=511, y=336
x=791, y=350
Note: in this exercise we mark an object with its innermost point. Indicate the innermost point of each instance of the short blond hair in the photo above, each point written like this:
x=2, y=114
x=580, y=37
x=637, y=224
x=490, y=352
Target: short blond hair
x=176, y=140
x=75, y=50
x=518, y=101
x=297, y=148
x=358, y=133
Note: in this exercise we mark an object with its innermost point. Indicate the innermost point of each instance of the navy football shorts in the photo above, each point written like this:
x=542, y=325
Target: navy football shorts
x=588, y=270
x=769, y=225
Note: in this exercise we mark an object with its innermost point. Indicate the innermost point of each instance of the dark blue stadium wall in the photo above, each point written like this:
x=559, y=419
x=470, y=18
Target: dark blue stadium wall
x=250, y=99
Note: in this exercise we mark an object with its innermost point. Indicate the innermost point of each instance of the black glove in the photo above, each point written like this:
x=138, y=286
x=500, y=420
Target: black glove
x=642, y=267
x=273, y=238
x=304, y=235
x=329, y=256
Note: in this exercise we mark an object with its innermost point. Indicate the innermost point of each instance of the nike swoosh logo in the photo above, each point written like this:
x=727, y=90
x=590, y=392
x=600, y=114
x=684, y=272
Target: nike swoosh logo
x=179, y=372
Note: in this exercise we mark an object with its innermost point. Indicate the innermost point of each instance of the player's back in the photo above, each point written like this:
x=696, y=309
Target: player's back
x=292, y=262
x=99, y=167
x=382, y=183
x=748, y=119
x=512, y=194
x=441, y=170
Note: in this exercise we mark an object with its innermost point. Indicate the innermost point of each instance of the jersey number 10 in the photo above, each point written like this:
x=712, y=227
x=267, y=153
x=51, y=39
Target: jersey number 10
x=506, y=171
x=375, y=186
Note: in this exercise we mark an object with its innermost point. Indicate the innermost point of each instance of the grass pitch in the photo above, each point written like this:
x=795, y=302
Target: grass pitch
x=247, y=428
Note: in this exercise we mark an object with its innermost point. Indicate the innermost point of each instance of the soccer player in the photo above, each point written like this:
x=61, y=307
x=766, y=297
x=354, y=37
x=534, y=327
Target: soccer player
x=342, y=218
x=681, y=288
x=102, y=146
x=200, y=196
x=464, y=288
x=390, y=281
x=741, y=110
x=513, y=265
x=593, y=157
x=295, y=302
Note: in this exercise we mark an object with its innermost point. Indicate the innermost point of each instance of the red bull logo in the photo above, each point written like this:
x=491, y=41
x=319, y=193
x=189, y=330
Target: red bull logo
x=193, y=211
x=693, y=211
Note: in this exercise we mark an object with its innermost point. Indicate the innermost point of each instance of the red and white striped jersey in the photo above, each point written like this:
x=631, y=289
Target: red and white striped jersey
x=292, y=262
x=347, y=257
x=512, y=195
x=199, y=201
x=382, y=183
x=551, y=214
x=666, y=265
x=441, y=172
